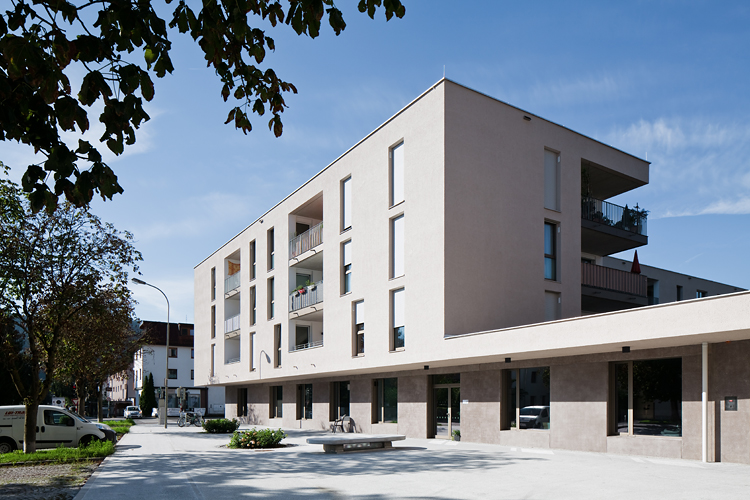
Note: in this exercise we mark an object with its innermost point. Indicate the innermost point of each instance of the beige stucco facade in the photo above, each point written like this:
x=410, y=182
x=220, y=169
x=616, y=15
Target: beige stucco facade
x=476, y=285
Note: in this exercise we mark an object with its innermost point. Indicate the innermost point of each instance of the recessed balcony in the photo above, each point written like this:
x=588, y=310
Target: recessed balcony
x=309, y=345
x=232, y=324
x=232, y=284
x=305, y=300
x=306, y=241
x=607, y=228
x=604, y=289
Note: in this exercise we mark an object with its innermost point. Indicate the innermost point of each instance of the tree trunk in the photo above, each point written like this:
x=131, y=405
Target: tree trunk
x=30, y=425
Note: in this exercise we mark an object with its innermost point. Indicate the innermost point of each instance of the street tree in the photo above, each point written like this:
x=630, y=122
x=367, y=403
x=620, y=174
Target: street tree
x=119, y=45
x=148, y=399
x=52, y=265
x=100, y=342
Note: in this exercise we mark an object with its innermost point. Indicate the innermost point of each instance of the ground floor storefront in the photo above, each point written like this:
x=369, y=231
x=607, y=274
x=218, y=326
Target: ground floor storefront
x=644, y=402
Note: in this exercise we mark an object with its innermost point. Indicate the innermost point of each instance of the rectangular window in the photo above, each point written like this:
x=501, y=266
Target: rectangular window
x=242, y=402
x=172, y=374
x=271, y=248
x=252, y=260
x=346, y=204
x=397, y=246
x=192, y=374
x=552, y=306
x=213, y=283
x=398, y=313
x=346, y=263
x=679, y=292
x=646, y=397
x=172, y=352
x=551, y=180
x=385, y=401
x=213, y=349
x=359, y=328
x=304, y=402
x=271, y=301
x=213, y=322
x=397, y=174
x=699, y=294
x=277, y=346
x=526, y=398
x=251, y=351
x=253, y=305
x=277, y=398
x=192, y=353
x=339, y=406
x=550, y=251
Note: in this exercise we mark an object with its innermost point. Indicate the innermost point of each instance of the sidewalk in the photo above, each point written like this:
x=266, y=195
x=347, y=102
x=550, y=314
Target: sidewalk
x=185, y=463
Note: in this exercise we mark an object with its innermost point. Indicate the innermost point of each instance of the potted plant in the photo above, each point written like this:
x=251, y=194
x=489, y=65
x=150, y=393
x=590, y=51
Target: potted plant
x=456, y=435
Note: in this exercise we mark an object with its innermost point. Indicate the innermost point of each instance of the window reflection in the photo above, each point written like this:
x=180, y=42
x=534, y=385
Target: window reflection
x=527, y=398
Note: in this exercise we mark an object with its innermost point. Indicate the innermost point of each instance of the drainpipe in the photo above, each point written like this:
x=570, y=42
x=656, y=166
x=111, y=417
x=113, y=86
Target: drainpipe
x=704, y=402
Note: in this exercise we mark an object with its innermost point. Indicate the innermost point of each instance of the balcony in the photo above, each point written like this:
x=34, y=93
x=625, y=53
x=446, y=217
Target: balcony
x=306, y=297
x=232, y=324
x=301, y=347
x=306, y=241
x=607, y=228
x=604, y=289
x=232, y=283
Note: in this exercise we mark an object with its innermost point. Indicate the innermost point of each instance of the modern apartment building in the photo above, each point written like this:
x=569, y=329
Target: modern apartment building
x=450, y=272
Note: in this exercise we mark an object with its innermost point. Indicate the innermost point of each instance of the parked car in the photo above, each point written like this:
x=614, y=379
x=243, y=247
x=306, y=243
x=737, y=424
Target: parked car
x=534, y=417
x=133, y=412
x=55, y=426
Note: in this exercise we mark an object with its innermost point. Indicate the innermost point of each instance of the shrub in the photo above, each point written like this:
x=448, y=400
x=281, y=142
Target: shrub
x=220, y=425
x=254, y=438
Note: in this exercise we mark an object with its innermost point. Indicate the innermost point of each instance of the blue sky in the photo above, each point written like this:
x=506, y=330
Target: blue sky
x=667, y=80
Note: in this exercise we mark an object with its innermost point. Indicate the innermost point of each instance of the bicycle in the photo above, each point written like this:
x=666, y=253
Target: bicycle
x=187, y=418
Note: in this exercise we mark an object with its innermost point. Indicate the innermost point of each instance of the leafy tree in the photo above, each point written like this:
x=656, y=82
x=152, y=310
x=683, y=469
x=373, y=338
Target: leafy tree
x=148, y=399
x=41, y=40
x=52, y=266
x=99, y=343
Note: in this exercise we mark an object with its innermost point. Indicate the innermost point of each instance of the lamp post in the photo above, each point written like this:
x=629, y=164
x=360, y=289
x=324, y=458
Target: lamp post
x=166, y=371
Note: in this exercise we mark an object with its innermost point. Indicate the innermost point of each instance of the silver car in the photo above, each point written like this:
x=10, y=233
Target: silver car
x=534, y=417
x=133, y=412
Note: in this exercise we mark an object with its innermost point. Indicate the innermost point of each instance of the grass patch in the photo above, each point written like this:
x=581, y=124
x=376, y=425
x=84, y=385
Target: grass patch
x=61, y=455
x=120, y=426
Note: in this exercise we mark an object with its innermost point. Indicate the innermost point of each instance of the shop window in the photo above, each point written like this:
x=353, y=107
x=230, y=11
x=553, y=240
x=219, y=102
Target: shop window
x=526, y=398
x=385, y=400
x=304, y=402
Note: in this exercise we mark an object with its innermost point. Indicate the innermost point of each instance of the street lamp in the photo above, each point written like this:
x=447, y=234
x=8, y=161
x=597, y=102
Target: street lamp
x=166, y=371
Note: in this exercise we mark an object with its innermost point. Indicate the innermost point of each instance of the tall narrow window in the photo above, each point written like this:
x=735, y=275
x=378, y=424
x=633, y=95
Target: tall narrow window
x=552, y=306
x=551, y=180
x=359, y=328
x=252, y=306
x=550, y=251
x=213, y=352
x=397, y=340
x=252, y=260
x=276, y=401
x=304, y=401
x=679, y=292
x=213, y=322
x=346, y=262
x=271, y=249
x=251, y=346
x=213, y=283
x=397, y=246
x=242, y=402
x=271, y=301
x=385, y=400
x=346, y=204
x=277, y=346
x=397, y=174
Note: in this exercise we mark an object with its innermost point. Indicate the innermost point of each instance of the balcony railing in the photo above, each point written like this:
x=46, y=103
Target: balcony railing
x=305, y=241
x=232, y=282
x=604, y=212
x=300, y=347
x=232, y=324
x=613, y=279
x=232, y=361
x=306, y=297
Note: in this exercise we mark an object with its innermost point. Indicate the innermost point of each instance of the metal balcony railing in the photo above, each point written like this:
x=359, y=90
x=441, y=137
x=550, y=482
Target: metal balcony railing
x=604, y=212
x=232, y=282
x=305, y=241
x=232, y=324
x=613, y=279
x=306, y=297
x=300, y=347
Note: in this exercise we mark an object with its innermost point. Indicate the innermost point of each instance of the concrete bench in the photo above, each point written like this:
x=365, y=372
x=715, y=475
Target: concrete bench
x=355, y=442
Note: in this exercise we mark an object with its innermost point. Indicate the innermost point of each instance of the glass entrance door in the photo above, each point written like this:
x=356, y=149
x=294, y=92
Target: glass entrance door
x=447, y=411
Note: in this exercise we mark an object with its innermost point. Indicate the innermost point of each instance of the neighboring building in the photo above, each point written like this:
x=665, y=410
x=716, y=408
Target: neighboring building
x=119, y=387
x=152, y=358
x=442, y=274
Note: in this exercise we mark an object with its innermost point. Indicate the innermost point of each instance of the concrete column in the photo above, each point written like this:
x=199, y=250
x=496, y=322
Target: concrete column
x=704, y=402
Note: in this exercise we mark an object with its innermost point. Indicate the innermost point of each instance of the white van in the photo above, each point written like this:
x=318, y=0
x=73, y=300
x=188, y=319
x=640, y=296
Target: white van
x=54, y=426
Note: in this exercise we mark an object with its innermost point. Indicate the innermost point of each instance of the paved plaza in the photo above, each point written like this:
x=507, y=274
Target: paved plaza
x=186, y=463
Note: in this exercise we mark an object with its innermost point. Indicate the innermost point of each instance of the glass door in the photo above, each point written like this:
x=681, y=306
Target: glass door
x=447, y=411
